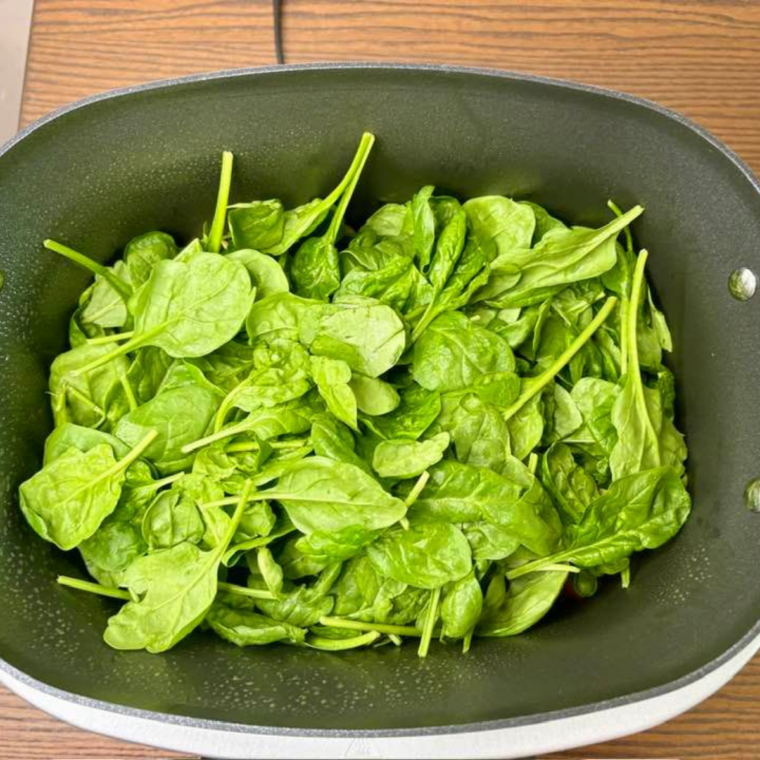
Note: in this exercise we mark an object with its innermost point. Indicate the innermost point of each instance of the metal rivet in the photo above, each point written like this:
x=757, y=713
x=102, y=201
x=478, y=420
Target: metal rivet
x=742, y=284
x=752, y=495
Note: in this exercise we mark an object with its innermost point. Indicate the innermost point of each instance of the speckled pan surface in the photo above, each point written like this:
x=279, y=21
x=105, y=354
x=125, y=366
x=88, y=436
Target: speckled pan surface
x=148, y=158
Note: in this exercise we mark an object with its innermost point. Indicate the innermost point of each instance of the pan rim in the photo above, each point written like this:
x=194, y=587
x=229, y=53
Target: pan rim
x=489, y=725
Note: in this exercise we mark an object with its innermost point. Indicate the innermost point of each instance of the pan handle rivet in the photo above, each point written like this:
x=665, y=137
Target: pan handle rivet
x=752, y=495
x=742, y=284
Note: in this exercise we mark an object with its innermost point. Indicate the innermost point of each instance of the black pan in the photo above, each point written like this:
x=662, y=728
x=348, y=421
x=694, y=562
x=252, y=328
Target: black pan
x=102, y=171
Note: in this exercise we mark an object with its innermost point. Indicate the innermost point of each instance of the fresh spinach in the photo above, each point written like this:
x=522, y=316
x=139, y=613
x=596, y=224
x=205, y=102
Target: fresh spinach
x=417, y=426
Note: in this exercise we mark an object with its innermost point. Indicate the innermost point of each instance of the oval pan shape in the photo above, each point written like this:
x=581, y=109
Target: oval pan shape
x=565, y=146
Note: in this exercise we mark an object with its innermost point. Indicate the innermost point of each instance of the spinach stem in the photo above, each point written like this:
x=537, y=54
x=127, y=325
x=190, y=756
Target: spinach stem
x=158, y=484
x=128, y=392
x=85, y=399
x=397, y=640
x=225, y=502
x=295, y=443
x=533, y=462
x=554, y=563
x=625, y=577
x=86, y=262
x=537, y=384
x=253, y=593
x=627, y=232
x=430, y=618
x=624, y=303
x=338, y=645
x=220, y=435
x=354, y=171
x=136, y=341
x=104, y=340
x=124, y=462
x=417, y=489
x=555, y=567
x=624, y=300
x=237, y=515
x=253, y=543
x=359, y=158
x=428, y=316
x=223, y=198
x=467, y=641
x=226, y=405
x=634, y=373
x=358, y=625
x=93, y=588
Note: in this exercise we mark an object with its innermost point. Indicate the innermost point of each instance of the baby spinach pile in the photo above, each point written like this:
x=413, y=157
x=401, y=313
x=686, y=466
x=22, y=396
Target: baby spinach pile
x=294, y=431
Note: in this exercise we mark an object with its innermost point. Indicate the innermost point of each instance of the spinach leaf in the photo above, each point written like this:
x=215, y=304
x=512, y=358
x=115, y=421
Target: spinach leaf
x=118, y=541
x=462, y=606
x=470, y=273
x=171, y=519
x=526, y=602
x=144, y=252
x=500, y=224
x=266, y=227
x=414, y=415
x=270, y=571
x=427, y=555
x=147, y=371
x=106, y=306
x=301, y=607
x=423, y=224
x=490, y=542
x=478, y=431
x=267, y=276
x=454, y=351
x=336, y=546
x=561, y=412
x=408, y=459
x=560, y=257
x=85, y=397
x=570, y=486
x=448, y=250
x=256, y=226
x=187, y=308
x=246, y=628
x=332, y=440
x=594, y=399
x=373, y=396
x=364, y=594
x=278, y=316
x=526, y=427
x=68, y=435
x=461, y=493
x=173, y=590
x=640, y=511
x=321, y=495
x=68, y=499
x=365, y=334
x=116, y=544
x=545, y=222
x=179, y=416
x=332, y=377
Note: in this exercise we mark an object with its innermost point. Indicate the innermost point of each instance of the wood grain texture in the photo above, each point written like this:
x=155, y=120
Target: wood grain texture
x=29, y=734
x=701, y=57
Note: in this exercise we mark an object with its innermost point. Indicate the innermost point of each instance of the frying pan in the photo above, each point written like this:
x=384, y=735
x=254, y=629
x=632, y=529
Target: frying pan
x=99, y=172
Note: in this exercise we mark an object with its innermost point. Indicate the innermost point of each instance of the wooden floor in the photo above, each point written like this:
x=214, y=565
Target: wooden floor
x=701, y=57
